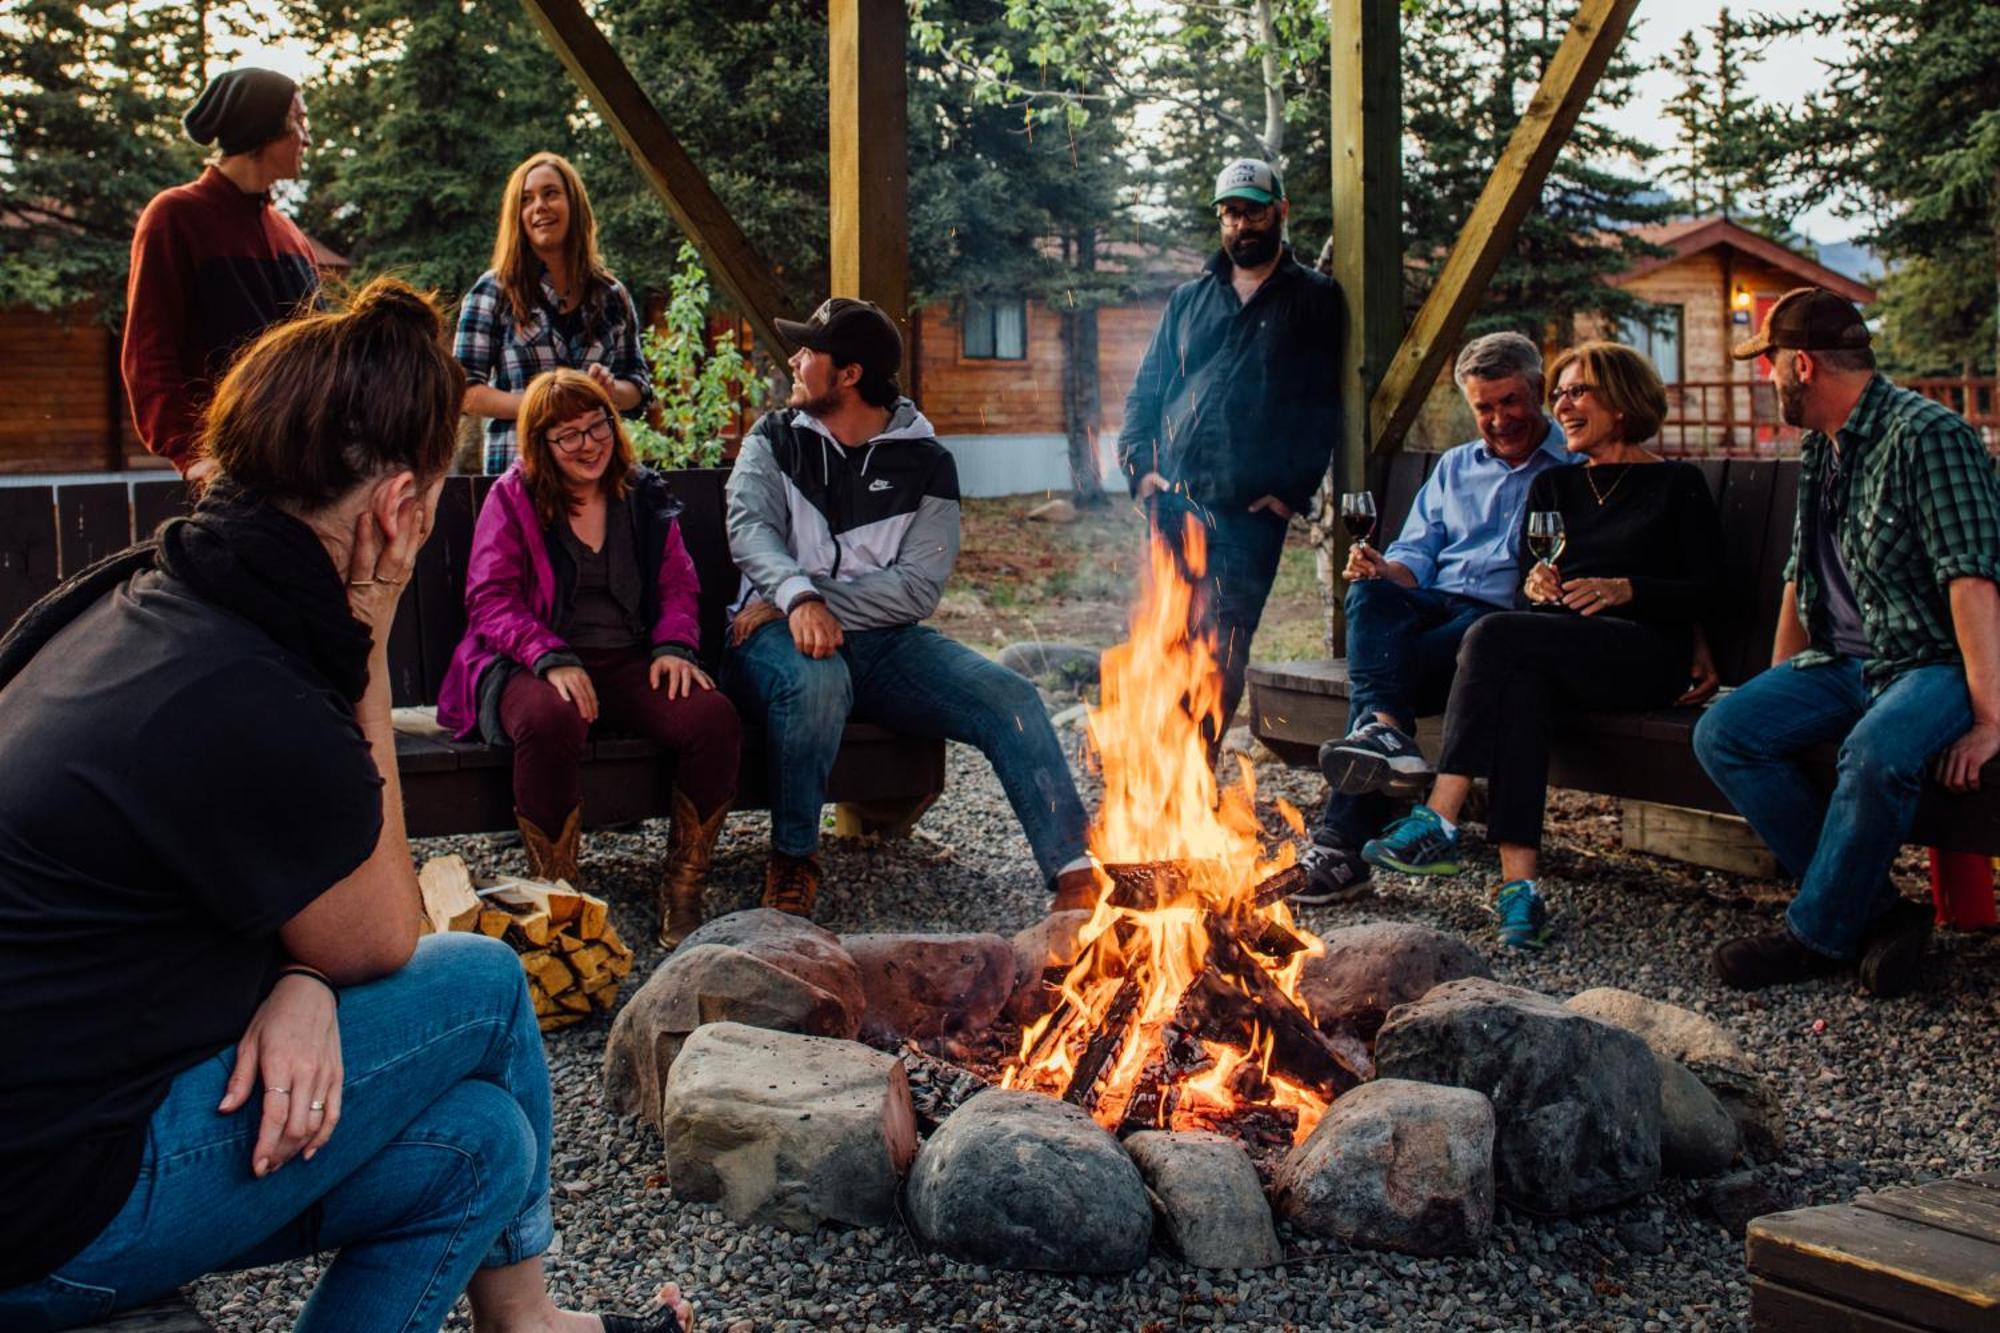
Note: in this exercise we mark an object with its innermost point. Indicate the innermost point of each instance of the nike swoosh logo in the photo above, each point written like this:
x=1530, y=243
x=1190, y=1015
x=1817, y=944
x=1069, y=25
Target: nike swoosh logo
x=879, y=485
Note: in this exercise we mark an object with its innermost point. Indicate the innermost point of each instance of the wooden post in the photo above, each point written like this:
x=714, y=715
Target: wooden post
x=732, y=261
x=1367, y=255
x=868, y=164
x=1489, y=233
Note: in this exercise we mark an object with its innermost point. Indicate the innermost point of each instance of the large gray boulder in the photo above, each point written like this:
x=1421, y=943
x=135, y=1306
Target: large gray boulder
x=931, y=985
x=1018, y=1180
x=767, y=969
x=1576, y=1102
x=1071, y=666
x=1395, y=1165
x=786, y=1130
x=1368, y=970
x=1697, y=1137
x=1707, y=1050
x=1209, y=1202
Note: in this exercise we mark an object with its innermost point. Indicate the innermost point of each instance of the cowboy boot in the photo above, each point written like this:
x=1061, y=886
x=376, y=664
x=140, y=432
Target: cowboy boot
x=553, y=858
x=690, y=852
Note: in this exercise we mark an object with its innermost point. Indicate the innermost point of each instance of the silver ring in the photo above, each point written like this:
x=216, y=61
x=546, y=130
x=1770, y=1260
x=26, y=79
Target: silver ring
x=317, y=1106
x=282, y=1092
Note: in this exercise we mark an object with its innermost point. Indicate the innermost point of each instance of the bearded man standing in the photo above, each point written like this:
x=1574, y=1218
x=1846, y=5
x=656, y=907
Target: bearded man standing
x=1231, y=422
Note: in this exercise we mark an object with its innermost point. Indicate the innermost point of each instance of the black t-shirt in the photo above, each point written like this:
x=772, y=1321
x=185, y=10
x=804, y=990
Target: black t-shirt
x=1656, y=525
x=174, y=786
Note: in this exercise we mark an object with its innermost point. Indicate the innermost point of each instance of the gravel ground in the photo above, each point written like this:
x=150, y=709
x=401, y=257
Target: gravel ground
x=1876, y=1093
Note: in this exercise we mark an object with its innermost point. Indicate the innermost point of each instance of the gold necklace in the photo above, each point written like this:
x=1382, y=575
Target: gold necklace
x=1602, y=496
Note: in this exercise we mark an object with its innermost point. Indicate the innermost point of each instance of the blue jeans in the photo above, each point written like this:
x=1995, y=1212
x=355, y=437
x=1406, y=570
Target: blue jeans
x=439, y=1164
x=1243, y=551
x=914, y=680
x=1839, y=849
x=1402, y=648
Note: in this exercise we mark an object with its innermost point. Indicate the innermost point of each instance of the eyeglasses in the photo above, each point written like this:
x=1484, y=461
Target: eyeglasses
x=569, y=441
x=1236, y=211
x=1571, y=393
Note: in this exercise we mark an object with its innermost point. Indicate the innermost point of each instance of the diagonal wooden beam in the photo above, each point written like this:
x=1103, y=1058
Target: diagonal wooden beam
x=1489, y=232
x=731, y=259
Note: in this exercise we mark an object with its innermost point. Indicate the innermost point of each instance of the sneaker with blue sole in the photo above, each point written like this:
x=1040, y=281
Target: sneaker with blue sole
x=1524, y=916
x=1376, y=757
x=1416, y=844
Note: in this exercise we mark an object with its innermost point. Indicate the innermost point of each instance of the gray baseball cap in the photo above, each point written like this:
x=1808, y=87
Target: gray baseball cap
x=1247, y=178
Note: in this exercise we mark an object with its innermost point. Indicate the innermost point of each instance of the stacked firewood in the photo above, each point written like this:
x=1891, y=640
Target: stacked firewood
x=568, y=946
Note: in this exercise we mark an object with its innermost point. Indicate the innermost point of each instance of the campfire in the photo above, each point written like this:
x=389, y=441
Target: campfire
x=1182, y=1008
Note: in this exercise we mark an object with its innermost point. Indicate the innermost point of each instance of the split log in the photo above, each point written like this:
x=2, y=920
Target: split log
x=1103, y=1046
x=1156, y=1096
x=1234, y=997
x=449, y=902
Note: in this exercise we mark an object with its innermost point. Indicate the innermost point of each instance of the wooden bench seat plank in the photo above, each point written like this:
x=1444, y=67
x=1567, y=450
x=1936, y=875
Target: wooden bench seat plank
x=1937, y=1279
x=1961, y=1207
x=1777, y=1308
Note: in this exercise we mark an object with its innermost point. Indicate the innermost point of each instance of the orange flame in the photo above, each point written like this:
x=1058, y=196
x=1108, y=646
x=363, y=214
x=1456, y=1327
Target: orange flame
x=1161, y=700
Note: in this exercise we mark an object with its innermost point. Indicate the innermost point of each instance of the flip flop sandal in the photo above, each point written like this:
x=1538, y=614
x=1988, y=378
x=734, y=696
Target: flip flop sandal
x=659, y=1319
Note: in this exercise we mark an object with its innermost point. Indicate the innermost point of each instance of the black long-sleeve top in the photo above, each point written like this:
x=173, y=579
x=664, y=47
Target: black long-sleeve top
x=1656, y=526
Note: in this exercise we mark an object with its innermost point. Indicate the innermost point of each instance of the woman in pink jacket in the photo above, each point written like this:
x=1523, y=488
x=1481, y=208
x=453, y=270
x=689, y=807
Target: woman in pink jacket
x=580, y=605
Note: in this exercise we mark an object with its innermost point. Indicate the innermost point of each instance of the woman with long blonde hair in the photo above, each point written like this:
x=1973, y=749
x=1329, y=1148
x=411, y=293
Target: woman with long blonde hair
x=546, y=303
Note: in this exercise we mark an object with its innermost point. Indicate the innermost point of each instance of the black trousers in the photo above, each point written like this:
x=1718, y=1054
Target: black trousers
x=1515, y=668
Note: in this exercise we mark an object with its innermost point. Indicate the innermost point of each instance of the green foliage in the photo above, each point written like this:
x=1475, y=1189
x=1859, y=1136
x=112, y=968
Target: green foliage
x=1905, y=134
x=1937, y=312
x=89, y=132
x=698, y=382
x=1720, y=147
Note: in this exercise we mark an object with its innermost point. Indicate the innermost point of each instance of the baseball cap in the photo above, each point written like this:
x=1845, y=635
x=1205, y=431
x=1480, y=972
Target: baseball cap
x=853, y=332
x=1810, y=319
x=1247, y=178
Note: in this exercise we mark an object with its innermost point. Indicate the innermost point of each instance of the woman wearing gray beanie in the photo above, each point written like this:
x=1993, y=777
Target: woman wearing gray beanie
x=213, y=264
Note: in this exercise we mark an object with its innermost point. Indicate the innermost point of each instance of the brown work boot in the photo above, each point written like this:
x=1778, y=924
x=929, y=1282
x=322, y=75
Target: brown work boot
x=690, y=852
x=1076, y=891
x=553, y=858
x=791, y=884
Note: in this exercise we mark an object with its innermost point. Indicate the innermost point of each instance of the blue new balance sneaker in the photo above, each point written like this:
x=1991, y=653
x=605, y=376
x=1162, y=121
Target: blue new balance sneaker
x=1524, y=917
x=1416, y=844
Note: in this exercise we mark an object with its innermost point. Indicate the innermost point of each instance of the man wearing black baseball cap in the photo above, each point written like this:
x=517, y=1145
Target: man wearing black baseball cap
x=1888, y=643
x=843, y=517
x=213, y=264
x=1231, y=421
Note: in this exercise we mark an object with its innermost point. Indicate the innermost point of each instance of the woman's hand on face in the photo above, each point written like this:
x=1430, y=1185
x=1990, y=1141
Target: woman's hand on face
x=1589, y=596
x=379, y=563
x=1544, y=584
x=573, y=684
x=291, y=1048
x=683, y=677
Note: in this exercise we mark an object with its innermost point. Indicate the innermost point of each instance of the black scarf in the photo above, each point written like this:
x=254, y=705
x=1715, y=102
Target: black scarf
x=242, y=553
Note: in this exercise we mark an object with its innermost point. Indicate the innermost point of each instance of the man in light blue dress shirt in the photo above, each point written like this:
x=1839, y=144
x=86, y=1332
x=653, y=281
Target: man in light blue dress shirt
x=1407, y=607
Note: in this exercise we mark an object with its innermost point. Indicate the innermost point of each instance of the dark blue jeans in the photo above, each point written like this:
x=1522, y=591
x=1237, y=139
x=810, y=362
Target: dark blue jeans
x=439, y=1165
x=1402, y=648
x=1242, y=560
x=910, y=679
x=1839, y=849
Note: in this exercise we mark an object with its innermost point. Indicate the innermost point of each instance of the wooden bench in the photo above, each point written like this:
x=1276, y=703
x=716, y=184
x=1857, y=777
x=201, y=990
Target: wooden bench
x=881, y=780
x=1640, y=756
x=1903, y=1260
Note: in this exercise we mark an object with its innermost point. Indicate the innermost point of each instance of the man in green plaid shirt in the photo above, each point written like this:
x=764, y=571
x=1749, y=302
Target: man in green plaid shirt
x=1888, y=642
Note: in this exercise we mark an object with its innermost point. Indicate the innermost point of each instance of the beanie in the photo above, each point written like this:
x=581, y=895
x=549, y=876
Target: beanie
x=241, y=110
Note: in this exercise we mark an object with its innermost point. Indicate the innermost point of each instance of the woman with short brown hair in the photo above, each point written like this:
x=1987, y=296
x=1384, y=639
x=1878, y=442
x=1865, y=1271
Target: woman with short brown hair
x=1612, y=624
x=547, y=302
x=580, y=603
x=222, y=1043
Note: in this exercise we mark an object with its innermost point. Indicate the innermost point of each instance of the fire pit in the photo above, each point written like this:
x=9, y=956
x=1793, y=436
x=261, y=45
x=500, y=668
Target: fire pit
x=1182, y=1008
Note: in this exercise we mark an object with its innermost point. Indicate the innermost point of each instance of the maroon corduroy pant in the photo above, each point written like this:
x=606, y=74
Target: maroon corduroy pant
x=700, y=733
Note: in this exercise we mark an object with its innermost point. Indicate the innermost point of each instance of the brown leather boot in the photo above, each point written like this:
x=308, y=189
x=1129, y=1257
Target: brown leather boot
x=553, y=858
x=791, y=884
x=690, y=852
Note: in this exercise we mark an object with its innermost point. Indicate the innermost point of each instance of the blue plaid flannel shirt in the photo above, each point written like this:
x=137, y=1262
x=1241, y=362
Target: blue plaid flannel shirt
x=495, y=353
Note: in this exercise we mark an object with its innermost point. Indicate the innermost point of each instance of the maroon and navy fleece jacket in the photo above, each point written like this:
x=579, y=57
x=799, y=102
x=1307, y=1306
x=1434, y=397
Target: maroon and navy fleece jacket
x=212, y=267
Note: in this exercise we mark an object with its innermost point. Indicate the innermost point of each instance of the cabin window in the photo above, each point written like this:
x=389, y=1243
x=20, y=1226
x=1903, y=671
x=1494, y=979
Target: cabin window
x=995, y=330
x=1656, y=331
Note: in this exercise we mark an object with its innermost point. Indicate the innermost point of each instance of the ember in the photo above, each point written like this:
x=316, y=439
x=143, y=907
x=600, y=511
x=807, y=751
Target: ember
x=1182, y=1009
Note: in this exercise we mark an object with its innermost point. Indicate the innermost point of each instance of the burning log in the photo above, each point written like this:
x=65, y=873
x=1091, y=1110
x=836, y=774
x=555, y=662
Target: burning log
x=1234, y=998
x=1281, y=885
x=1104, y=1043
x=1180, y=1057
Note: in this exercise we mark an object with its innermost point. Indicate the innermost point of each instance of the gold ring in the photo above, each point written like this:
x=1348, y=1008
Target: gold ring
x=317, y=1106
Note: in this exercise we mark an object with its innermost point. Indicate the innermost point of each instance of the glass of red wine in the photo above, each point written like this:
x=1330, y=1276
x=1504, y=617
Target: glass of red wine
x=1357, y=515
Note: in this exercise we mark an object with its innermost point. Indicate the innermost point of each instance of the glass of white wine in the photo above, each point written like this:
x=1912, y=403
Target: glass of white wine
x=1545, y=535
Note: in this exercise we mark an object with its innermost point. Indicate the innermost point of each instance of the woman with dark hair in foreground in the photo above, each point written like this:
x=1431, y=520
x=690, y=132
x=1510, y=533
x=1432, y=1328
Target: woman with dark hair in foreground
x=222, y=1043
